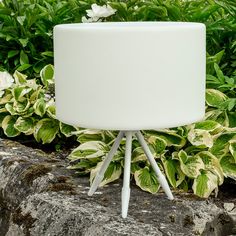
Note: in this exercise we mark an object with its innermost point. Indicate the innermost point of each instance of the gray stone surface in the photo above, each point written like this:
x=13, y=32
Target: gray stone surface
x=39, y=196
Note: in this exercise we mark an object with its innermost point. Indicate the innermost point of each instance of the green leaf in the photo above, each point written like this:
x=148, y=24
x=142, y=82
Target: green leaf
x=67, y=130
x=51, y=109
x=158, y=144
x=191, y=166
x=112, y=173
x=47, y=75
x=214, y=59
x=221, y=144
x=232, y=148
x=21, y=106
x=229, y=166
x=21, y=19
x=138, y=155
x=10, y=109
x=90, y=135
x=46, y=130
x=8, y=126
x=147, y=180
x=24, y=42
x=215, y=98
x=219, y=73
x=173, y=172
x=91, y=149
x=212, y=164
x=19, y=77
x=23, y=58
x=12, y=53
x=200, y=138
x=170, y=137
x=5, y=99
x=25, y=125
x=19, y=92
x=40, y=107
x=47, y=53
x=23, y=67
x=2, y=116
x=208, y=125
x=204, y=184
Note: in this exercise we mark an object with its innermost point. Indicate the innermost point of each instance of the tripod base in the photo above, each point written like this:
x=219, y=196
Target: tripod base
x=125, y=195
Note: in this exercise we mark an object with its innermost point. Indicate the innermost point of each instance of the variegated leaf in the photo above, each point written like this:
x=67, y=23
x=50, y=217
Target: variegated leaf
x=208, y=125
x=51, y=109
x=40, y=107
x=170, y=136
x=7, y=98
x=190, y=165
x=232, y=148
x=215, y=98
x=229, y=166
x=25, y=125
x=205, y=183
x=67, y=130
x=212, y=163
x=19, y=78
x=90, y=135
x=21, y=107
x=173, y=172
x=46, y=130
x=10, y=109
x=198, y=137
x=89, y=150
x=147, y=180
x=47, y=75
x=19, y=93
x=112, y=173
x=138, y=155
x=8, y=126
x=158, y=144
x=221, y=144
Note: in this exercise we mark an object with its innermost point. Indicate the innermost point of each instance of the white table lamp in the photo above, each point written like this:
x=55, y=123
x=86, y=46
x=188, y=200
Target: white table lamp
x=130, y=76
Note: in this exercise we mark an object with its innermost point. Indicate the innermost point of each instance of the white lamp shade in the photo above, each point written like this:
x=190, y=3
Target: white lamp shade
x=130, y=76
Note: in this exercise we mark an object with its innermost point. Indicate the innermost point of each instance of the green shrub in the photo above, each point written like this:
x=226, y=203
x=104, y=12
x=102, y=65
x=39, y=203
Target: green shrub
x=26, y=26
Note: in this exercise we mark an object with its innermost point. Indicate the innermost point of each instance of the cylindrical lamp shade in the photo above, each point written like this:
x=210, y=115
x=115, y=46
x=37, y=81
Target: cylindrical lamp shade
x=130, y=76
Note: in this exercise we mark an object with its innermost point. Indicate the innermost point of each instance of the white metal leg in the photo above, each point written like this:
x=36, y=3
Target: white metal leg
x=100, y=175
x=161, y=178
x=125, y=195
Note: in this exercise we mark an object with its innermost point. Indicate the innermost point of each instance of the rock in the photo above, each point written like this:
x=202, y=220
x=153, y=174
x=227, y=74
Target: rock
x=39, y=196
x=228, y=206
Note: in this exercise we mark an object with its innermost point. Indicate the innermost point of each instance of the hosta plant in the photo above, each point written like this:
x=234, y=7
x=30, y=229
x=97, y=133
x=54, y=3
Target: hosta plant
x=26, y=107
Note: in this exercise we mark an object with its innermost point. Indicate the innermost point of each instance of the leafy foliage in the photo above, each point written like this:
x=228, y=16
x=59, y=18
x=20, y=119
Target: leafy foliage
x=26, y=30
x=26, y=26
x=26, y=108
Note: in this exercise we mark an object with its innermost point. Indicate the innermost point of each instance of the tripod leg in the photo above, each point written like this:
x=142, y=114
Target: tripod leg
x=100, y=175
x=161, y=178
x=125, y=195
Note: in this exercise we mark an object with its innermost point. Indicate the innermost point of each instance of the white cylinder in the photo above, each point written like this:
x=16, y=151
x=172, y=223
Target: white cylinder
x=130, y=75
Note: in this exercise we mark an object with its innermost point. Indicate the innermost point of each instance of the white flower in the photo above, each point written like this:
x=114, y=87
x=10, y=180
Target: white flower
x=6, y=80
x=98, y=12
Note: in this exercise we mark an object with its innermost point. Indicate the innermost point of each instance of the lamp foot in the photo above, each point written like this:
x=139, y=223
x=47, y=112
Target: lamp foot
x=125, y=195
